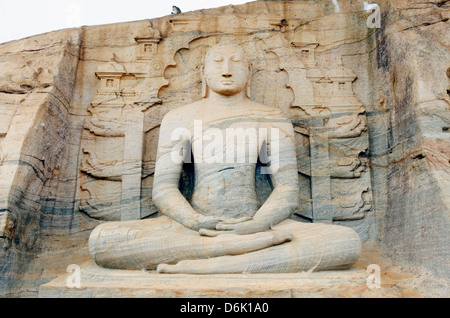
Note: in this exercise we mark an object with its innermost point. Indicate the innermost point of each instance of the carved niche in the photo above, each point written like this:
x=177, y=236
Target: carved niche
x=335, y=123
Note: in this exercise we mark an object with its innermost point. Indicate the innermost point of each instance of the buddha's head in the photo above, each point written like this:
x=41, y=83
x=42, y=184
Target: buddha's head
x=226, y=70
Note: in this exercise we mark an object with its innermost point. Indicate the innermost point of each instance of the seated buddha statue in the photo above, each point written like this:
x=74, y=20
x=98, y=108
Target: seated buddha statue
x=223, y=227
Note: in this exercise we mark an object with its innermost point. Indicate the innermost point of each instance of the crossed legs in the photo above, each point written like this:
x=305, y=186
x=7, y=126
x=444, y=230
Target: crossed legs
x=314, y=247
x=171, y=248
x=147, y=243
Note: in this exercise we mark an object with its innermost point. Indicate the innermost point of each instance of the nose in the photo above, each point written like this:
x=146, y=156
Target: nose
x=226, y=72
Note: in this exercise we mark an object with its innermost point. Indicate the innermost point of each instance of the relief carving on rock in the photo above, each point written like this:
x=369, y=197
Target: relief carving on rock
x=187, y=237
x=122, y=114
x=106, y=161
x=330, y=122
x=334, y=120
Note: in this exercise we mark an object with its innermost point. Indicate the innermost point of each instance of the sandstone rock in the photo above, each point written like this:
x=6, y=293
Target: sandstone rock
x=80, y=113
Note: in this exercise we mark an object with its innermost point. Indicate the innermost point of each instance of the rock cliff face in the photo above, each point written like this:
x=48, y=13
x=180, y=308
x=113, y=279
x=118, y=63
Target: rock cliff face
x=36, y=88
x=413, y=60
x=80, y=111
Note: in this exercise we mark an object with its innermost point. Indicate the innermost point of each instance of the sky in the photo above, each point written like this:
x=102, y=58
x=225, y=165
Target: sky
x=23, y=18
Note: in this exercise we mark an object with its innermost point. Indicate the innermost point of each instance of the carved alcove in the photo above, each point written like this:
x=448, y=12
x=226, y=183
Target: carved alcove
x=329, y=121
x=111, y=161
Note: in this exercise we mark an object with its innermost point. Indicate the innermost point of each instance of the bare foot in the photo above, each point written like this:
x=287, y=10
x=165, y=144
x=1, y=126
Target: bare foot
x=163, y=268
x=280, y=237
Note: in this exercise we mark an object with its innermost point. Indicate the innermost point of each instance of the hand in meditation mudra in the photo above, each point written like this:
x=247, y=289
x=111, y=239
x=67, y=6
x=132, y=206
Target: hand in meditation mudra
x=224, y=228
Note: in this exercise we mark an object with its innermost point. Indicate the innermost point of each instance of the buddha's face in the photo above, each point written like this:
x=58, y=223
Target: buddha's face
x=226, y=69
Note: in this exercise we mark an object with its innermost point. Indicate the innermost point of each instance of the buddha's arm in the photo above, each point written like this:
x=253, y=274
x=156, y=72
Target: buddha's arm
x=283, y=170
x=166, y=195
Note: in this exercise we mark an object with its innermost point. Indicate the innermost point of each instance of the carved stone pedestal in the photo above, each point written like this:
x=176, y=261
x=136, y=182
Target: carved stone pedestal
x=100, y=282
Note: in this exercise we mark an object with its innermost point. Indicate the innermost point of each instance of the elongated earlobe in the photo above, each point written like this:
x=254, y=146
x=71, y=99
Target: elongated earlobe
x=248, y=88
x=204, y=86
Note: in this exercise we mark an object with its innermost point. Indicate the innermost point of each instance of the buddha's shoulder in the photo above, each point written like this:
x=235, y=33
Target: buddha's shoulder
x=184, y=112
x=266, y=110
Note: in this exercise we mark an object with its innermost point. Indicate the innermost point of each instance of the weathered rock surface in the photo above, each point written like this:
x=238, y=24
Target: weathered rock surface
x=80, y=111
x=414, y=91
